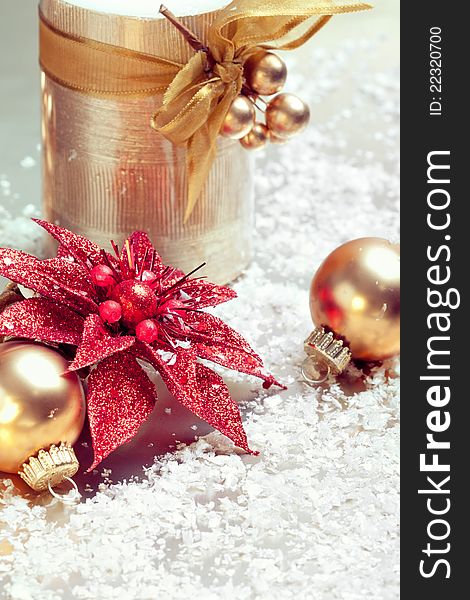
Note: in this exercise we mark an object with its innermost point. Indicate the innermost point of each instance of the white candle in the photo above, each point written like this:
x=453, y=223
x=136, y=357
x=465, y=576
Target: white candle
x=150, y=8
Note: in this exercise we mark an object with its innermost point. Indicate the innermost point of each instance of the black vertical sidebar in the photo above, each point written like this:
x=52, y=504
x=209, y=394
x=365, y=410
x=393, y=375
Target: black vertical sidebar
x=435, y=250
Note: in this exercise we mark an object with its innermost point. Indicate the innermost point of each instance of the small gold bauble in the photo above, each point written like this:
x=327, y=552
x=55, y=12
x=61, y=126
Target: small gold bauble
x=40, y=404
x=257, y=138
x=356, y=293
x=274, y=139
x=287, y=115
x=240, y=118
x=265, y=73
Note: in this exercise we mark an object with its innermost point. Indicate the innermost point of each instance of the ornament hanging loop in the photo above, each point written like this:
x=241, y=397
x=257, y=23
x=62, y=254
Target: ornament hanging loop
x=326, y=355
x=66, y=499
x=315, y=371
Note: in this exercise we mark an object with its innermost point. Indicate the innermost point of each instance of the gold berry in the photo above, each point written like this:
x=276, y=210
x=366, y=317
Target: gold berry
x=287, y=115
x=239, y=119
x=257, y=138
x=265, y=73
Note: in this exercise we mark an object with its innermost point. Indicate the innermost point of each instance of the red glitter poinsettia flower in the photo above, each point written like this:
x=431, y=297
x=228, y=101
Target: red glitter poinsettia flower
x=124, y=307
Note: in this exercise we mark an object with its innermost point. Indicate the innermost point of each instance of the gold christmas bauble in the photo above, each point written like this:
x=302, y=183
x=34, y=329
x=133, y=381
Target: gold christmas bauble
x=356, y=294
x=274, y=139
x=265, y=73
x=257, y=138
x=240, y=118
x=40, y=404
x=287, y=115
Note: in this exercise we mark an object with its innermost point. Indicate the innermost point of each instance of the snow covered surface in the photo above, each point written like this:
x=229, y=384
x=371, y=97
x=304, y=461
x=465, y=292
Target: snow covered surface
x=316, y=514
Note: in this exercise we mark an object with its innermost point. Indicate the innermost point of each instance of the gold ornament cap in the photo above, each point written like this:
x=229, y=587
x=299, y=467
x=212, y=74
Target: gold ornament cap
x=325, y=354
x=49, y=467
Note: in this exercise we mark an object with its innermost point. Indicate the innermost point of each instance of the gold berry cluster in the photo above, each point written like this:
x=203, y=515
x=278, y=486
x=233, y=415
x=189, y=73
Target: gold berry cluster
x=285, y=115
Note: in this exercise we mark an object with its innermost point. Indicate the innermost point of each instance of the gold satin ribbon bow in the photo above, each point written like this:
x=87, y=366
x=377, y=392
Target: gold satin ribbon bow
x=197, y=95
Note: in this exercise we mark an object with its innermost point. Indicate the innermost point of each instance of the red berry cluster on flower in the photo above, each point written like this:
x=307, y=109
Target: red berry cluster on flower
x=142, y=305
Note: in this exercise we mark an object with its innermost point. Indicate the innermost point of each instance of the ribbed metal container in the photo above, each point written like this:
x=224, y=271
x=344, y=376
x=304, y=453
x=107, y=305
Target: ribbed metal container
x=106, y=172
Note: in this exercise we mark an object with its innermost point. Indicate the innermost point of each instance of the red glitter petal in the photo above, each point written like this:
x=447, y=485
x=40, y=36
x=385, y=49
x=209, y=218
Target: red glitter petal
x=41, y=319
x=176, y=368
x=97, y=344
x=62, y=252
x=106, y=258
x=218, y=408
x=77, y=246
x=213, y=331
x=72, y=276
x=140, y=244
x=171, y=277
x=56, y=279
x=205, y=293
x=120, y=399
x=197, y=388
x=237, y=360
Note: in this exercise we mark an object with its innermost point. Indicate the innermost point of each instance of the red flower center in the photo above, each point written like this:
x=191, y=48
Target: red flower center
x=171, y=307
x=138, y=302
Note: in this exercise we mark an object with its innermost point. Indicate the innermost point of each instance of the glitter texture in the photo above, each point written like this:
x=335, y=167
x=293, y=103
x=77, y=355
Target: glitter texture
x=96, y=343
x=71, y=244
x=170, y=300
x=207, y=294
x=57, y=279
x=120, y=397
x=143, y=248
x=234, y=358
x=199, y=389
x=41, y=319
x=207, y=328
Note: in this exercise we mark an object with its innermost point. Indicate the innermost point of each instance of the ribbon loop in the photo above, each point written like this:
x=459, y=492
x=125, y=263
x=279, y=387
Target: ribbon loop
x=230, y=72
